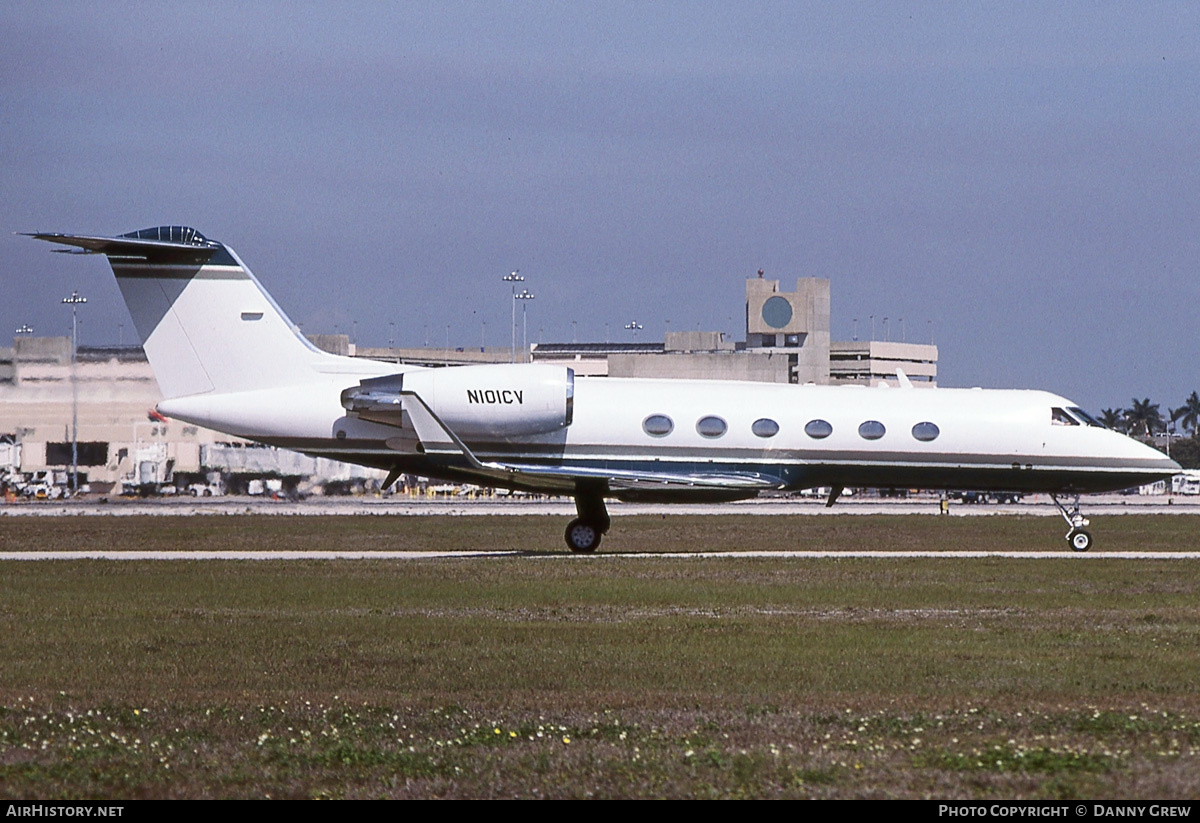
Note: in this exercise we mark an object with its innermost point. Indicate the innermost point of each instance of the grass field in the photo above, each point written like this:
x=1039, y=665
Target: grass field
x=543, y=675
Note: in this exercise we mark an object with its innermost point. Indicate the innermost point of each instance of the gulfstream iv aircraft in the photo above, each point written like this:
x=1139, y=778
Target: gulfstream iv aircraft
x=226, y=357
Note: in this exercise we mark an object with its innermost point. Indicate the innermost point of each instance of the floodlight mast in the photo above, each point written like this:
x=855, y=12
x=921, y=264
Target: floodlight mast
x=514, y=278
x=74, y=301
x=524, y=296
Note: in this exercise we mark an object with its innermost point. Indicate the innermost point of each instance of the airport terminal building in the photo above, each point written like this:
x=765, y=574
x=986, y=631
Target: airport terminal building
x=786, y=340
x=123, y=444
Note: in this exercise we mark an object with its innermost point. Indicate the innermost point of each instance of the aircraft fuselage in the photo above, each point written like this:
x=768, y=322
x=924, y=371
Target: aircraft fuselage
x=1003, y=440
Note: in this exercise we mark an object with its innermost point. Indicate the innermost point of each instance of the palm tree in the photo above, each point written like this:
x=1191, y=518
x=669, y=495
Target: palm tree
x=1143, y=417
x=1190, y=416
x=1113, y=419
x=1173, y=416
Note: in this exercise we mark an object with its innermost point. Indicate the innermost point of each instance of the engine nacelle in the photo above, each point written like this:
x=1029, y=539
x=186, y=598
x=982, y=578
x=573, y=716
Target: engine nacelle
x=501, y=401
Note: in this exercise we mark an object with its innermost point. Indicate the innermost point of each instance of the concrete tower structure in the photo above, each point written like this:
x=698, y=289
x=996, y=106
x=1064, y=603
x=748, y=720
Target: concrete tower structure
x=793, y=324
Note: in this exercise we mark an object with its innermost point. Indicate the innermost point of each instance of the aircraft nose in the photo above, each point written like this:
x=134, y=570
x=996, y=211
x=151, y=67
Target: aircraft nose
x=1156, y=459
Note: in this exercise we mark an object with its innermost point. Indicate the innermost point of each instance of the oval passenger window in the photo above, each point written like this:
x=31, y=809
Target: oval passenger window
x=658, y=425
x=765, y=427
x=926, y=431
x=818, y=429
x=871, y=430
x=711, y=426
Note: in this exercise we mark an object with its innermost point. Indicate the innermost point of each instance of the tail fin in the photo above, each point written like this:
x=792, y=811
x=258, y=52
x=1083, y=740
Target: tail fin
x=206, y=323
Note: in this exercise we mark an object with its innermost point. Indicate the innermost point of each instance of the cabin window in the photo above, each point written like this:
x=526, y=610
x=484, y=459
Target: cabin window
x=871, y=430
x=818, y=429
x=926, y=431
x=711, y=426
x=1058, y=417
x=765, y=427
x=658, y=425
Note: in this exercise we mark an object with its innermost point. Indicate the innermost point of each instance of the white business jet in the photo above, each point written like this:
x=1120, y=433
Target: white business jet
x=227, y=357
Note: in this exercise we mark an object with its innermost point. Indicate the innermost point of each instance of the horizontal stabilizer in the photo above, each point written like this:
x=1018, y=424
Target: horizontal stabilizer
x=163, y=243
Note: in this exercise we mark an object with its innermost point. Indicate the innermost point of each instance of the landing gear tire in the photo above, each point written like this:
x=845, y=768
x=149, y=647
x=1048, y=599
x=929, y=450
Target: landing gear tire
x=582, y=536
x=1080, y=540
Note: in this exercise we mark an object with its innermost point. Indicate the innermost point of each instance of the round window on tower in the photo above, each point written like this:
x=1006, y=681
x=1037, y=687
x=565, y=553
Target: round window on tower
x=777, y=312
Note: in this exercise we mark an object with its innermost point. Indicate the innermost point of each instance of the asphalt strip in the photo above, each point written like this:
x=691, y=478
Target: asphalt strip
x=469, y=555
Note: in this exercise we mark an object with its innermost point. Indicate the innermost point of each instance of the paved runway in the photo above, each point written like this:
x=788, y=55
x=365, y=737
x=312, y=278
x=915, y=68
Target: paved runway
x=470, y=555
x=397, y=505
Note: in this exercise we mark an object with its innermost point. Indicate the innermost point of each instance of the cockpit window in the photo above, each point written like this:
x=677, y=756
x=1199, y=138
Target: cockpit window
x=1085, y=417
x=1059, y=417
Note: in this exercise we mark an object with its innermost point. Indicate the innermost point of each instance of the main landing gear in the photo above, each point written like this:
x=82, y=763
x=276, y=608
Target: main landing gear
x=584, y=532
x=1078, y=537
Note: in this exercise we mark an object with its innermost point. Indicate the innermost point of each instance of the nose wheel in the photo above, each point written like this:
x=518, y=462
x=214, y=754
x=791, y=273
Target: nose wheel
x=1079, y=538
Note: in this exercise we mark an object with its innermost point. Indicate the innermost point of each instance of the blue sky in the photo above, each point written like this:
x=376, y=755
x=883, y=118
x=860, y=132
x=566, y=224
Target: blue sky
x=1021, y=180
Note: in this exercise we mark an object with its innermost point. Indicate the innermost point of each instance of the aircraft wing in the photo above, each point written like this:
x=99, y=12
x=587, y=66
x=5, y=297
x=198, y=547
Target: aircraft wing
x=437, y=438
x=618, y=479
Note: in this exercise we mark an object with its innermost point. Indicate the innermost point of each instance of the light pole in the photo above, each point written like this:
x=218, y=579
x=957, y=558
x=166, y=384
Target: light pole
x=633, y=326
x=514, y=278
x=24, y=328
x=524, y=296
x=74, y=301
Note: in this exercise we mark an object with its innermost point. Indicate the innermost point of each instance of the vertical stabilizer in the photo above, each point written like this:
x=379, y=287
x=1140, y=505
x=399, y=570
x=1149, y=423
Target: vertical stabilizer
x=206, y=323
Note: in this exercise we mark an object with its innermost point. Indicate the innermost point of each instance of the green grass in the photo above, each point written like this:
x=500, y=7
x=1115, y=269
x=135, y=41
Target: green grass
x=572, y=676
x=543, y=534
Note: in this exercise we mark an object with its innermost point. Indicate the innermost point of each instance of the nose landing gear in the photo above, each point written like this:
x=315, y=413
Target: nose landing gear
x=1079, y=538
